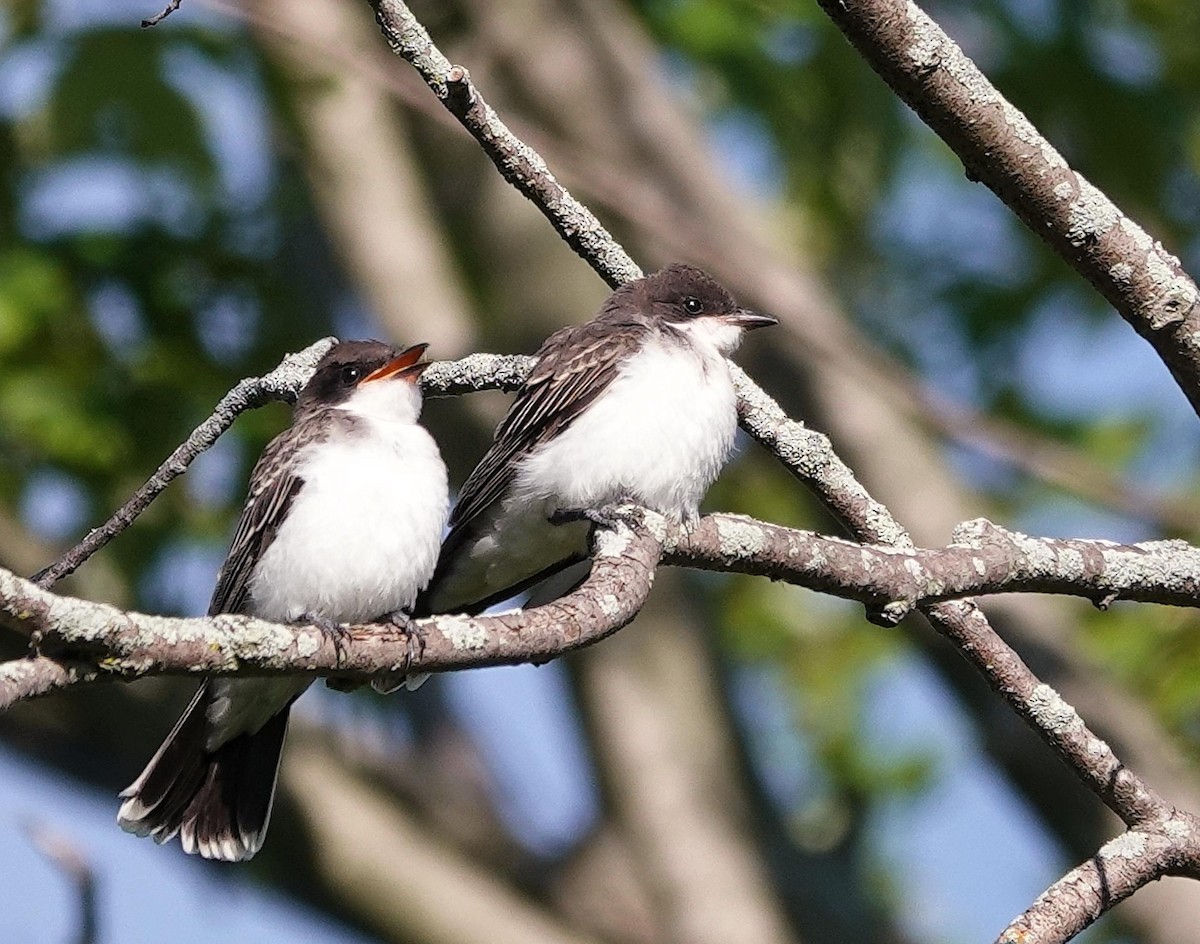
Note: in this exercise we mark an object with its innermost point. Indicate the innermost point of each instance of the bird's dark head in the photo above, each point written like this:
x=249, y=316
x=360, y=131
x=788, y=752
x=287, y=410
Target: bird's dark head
x=692, y=301
x=367, y=376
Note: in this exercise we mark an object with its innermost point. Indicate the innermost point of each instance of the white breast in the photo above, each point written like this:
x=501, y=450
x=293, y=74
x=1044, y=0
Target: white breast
x=658, y=435
x=362, y=537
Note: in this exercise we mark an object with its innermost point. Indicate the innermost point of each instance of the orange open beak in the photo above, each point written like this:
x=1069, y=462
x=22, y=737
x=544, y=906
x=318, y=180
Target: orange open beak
x=405, y=364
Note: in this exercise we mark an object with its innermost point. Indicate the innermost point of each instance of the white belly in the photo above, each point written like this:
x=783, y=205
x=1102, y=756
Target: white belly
x=659, y=435
x=362, y=537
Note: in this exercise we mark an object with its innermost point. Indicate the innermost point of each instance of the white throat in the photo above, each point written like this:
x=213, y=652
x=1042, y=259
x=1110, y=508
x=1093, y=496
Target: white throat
x=711, y=333
x=392, y=400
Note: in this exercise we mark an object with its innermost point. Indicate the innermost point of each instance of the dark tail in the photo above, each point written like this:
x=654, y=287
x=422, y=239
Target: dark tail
x=219, y=802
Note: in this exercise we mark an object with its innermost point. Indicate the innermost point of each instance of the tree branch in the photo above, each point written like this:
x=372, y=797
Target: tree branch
x=34, y=676
x=118, y=644
x=984, y=559
x=1121, y=867
x=891, y=581
x=1001, y=148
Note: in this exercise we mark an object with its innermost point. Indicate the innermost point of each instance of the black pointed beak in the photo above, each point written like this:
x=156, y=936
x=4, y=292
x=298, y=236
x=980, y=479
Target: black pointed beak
x=748, y=320
x=404, y=365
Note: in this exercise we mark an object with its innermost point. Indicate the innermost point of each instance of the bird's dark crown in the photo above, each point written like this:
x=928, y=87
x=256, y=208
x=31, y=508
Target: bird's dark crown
x=681, y=292
x=340, y=370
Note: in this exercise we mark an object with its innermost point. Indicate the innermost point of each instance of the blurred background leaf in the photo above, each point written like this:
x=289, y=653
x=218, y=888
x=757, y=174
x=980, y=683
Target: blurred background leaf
x=180, y=207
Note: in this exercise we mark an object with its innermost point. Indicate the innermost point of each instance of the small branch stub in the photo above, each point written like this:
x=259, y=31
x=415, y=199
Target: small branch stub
x=170, y=8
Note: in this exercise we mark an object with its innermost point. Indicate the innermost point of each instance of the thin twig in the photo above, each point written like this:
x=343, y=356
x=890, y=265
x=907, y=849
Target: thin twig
x=520, y=164
x=171, y=7
x=68, y=858
x=282, y=383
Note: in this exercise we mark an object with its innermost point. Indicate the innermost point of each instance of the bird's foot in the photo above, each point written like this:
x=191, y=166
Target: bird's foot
x=336, y=633
x=414, y=638
x=608, y=516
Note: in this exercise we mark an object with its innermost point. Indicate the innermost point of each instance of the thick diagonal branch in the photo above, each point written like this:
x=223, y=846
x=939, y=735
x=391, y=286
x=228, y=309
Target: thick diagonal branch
x=1000, y=147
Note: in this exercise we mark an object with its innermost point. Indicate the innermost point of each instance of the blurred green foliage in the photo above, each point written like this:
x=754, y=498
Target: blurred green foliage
x=140, y=277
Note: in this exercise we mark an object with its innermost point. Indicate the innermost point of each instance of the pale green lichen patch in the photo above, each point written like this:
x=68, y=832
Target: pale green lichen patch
x=1120, y=271
x=1129, y=845
x=260, y=640
x=656, y=525
x=307, y=644
x=11, y=671
x=610, y=605
x=1023, y=130
x=1052, y=713
x=612, y=543
x=462, y=632
x=1141, y=239
x=926, y=48
x=1179, y=292
x=972, y=533
x=925, y=584
x=1091, y=215
x=1176, y=828
x=1098, y=748
x=739, y=538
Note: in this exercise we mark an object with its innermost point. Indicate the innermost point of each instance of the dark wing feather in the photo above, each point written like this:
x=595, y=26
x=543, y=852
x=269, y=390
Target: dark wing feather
x=574, y=367
x=273, y=487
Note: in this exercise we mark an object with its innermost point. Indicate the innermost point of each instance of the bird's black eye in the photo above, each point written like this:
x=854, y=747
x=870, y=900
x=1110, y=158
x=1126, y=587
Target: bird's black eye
x=693, y=305
x=350, y=374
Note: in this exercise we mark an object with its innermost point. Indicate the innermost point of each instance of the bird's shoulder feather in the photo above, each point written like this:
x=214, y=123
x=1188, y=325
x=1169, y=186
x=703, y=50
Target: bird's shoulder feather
x=274, y=485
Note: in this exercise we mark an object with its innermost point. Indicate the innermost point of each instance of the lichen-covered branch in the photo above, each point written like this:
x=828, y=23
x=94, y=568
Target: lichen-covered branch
x=1122, y=866
x=34, y=676
x=520, y=164
x=984, y=559
x=1000, y=147
x=109, y=642
x=476, y=372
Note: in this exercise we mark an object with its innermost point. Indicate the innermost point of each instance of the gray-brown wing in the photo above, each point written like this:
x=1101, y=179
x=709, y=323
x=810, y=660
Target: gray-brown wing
x=574, y=367
x=273, y=487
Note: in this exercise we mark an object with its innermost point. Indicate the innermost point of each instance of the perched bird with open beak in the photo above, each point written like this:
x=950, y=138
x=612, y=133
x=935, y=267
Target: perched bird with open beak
x=635, y=405
x=342, y=523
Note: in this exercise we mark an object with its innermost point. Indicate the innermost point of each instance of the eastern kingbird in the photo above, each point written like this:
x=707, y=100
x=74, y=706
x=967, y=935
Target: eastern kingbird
x=635, y=405
x=345, y=512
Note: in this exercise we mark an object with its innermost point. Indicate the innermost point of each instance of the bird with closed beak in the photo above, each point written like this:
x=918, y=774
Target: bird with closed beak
x=342, y=523
x=636, y=405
